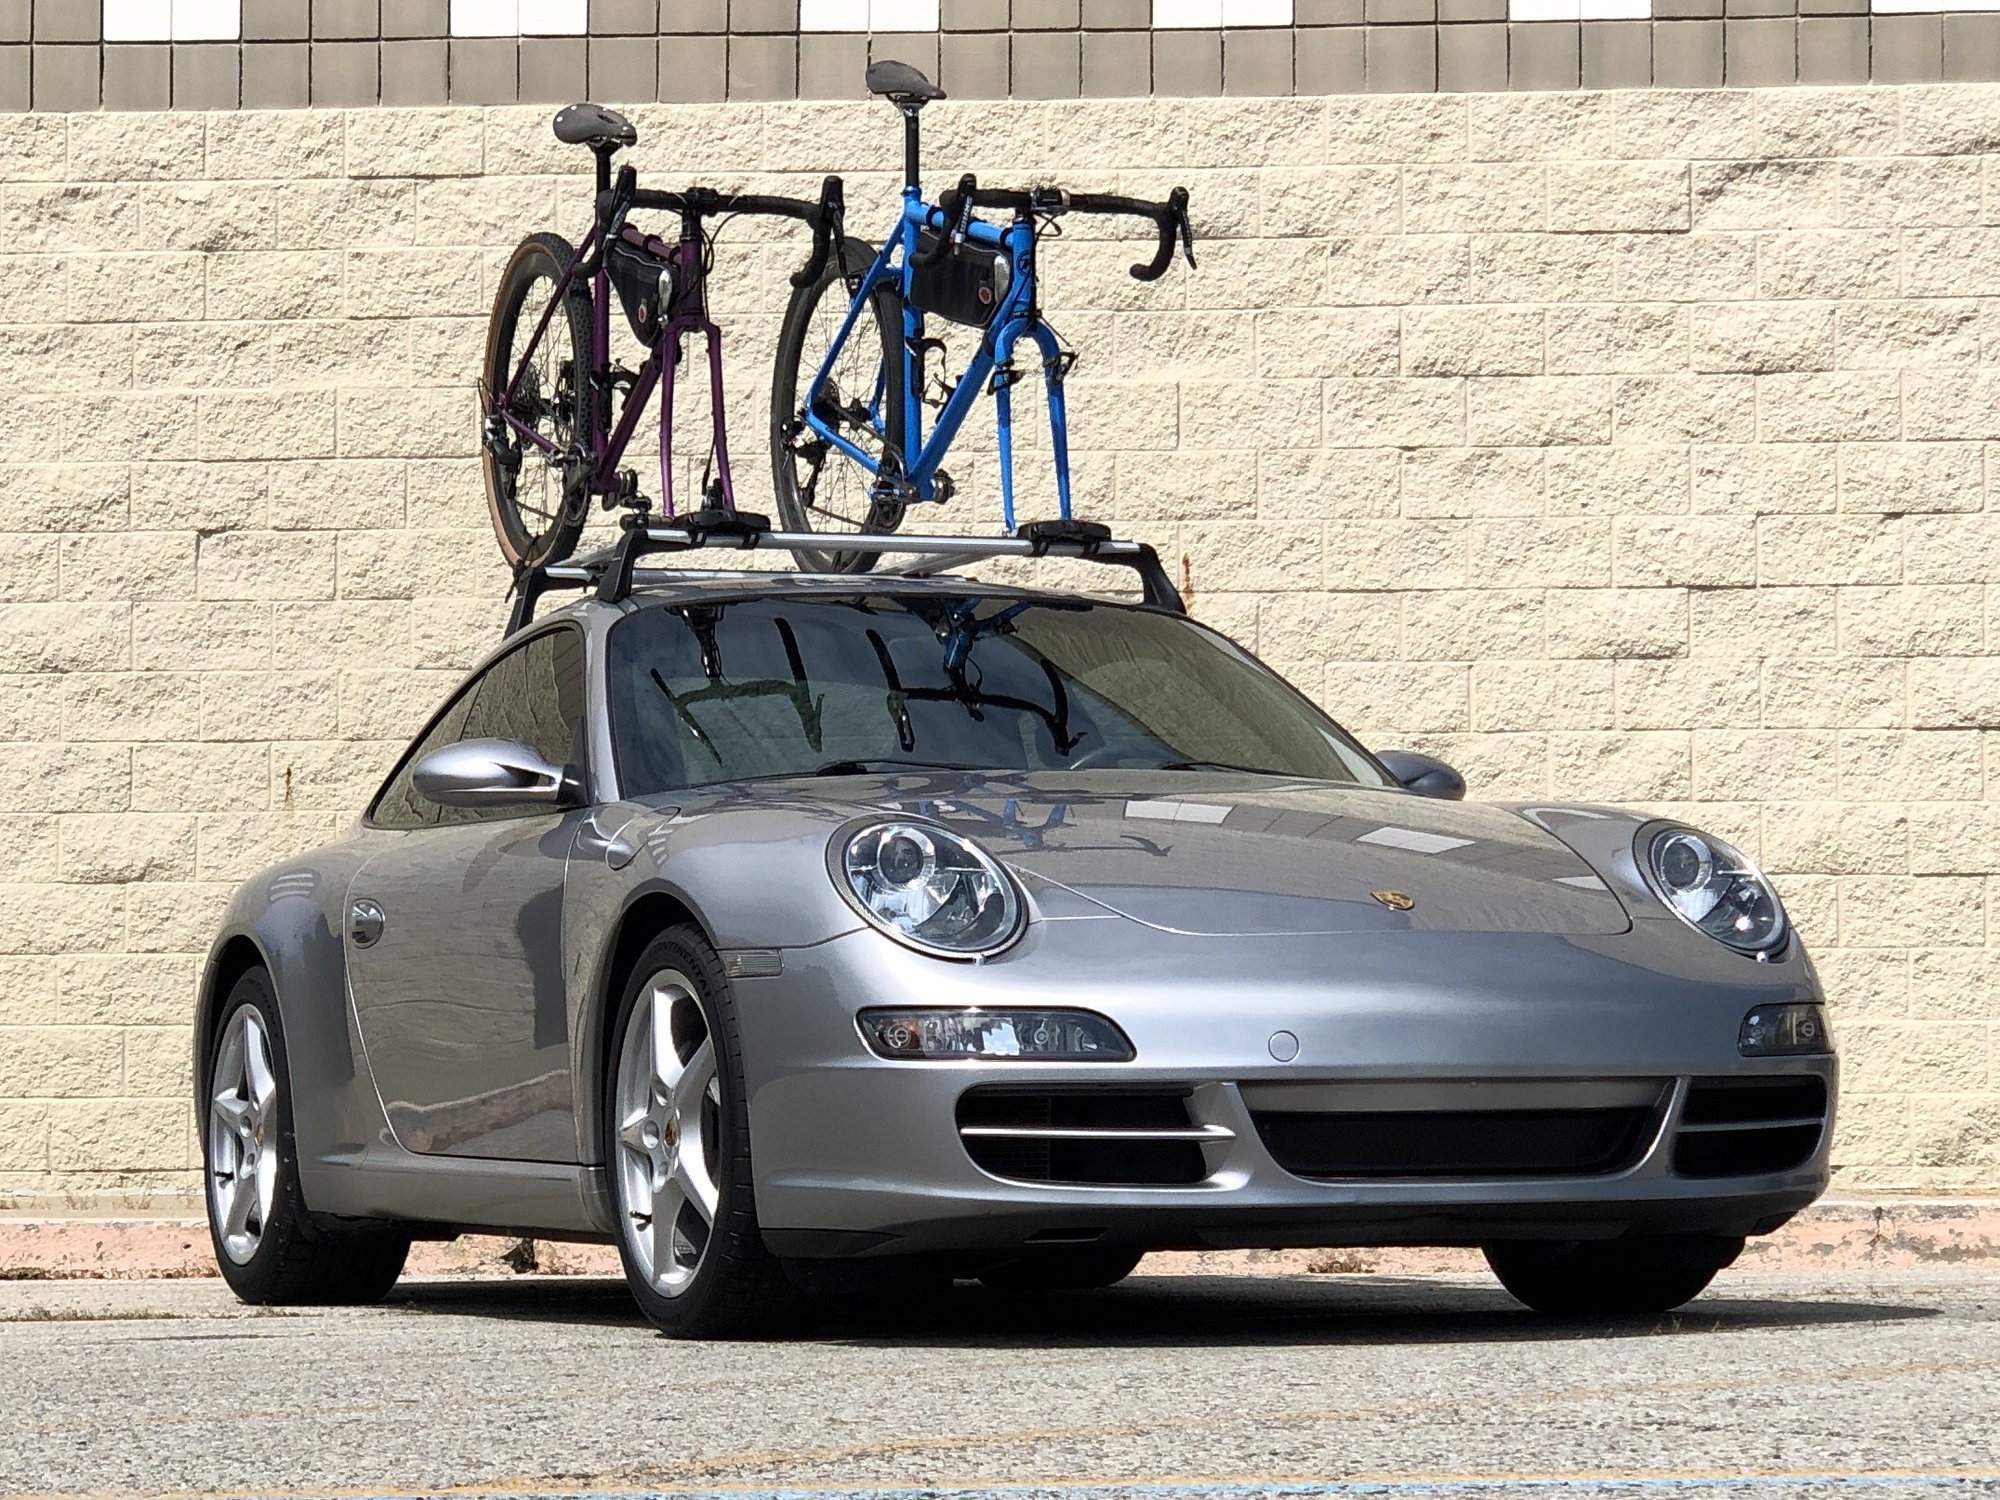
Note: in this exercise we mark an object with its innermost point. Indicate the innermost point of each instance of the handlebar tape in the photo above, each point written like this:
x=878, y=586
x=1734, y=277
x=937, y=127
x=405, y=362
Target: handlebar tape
x=826, y=225
x=1170, y=218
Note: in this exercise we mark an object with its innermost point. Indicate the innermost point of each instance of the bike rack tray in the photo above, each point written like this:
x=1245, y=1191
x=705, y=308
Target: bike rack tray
x=613, y=571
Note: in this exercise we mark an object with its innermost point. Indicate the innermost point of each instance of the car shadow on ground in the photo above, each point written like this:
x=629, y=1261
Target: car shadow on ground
x=1178, y=1311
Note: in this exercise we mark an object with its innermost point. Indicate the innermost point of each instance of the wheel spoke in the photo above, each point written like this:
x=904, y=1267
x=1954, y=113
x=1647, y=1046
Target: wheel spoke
x=693, y=1178
x=236, y=1221
x=667, y=1065
x=229, y=1063
x=263, y=1084
x=233, y=1114
x=666, y=1211
x=693, y=1084
x=631, y=1134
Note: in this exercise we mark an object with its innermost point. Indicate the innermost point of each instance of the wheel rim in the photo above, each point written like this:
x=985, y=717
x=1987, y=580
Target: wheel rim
x=833, y=493
x=242, y=1136
x=668, y=1108
x=538, y=489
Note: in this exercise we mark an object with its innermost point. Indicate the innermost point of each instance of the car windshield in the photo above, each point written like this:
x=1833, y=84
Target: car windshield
x=851, y=684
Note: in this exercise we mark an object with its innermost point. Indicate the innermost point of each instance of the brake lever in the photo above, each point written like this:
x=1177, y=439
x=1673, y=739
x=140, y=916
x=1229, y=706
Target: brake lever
x=1178, y=201
x=956, y=206
x=621, y=201
x=968, y=188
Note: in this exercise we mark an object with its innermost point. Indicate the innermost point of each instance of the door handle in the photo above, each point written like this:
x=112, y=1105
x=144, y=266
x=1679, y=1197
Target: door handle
x=365, y=923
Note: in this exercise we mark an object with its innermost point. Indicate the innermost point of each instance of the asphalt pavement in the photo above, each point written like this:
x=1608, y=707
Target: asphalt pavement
x=1167, y=1388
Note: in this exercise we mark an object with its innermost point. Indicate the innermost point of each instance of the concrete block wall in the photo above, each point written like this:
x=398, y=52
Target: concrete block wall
x=1632, y=446
x=265, y=54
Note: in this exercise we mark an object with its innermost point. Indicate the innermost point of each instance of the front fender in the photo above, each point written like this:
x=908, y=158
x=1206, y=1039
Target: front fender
x=294, y=918
x=1606, y=839
x=748, y=877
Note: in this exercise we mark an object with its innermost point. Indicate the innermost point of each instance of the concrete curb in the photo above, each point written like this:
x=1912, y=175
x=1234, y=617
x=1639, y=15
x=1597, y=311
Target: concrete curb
x=1854, y=1234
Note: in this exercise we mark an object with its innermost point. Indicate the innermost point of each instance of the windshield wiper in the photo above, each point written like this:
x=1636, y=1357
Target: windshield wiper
x=867, y=767
x=1213, y=765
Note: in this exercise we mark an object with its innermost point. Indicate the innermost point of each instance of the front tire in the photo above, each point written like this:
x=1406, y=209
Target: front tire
x=268, y=1247
x=677, y=1133
x=538, y=503
x=817, y=487
x=1597, y=1278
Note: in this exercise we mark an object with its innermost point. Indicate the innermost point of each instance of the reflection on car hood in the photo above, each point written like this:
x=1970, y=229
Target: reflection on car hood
x=1234, y=855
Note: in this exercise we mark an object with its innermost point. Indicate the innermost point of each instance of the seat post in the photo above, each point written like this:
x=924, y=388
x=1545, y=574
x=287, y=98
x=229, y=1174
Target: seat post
x=604, y=152
x=912, y=165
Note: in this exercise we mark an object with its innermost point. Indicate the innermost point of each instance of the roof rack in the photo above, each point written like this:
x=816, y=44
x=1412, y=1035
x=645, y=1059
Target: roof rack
x=612, y=571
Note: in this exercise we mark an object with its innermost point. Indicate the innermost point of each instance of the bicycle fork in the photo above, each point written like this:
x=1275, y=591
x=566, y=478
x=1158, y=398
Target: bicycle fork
x=669, y=357
x=1055, y=366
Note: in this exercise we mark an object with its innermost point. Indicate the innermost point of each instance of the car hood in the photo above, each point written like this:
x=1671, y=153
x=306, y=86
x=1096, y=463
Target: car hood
x=1209, y=853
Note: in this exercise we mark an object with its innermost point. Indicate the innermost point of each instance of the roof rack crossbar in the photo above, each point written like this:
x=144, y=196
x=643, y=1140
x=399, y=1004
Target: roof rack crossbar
x=612, y=570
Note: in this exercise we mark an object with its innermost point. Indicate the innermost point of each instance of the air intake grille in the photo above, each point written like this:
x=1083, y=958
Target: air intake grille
x=1457, y=1143
x=1101, y=1138
x=1745, y=1127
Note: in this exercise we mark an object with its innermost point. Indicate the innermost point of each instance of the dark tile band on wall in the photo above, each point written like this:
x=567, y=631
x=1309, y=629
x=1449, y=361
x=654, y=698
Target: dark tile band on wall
x=340, y=53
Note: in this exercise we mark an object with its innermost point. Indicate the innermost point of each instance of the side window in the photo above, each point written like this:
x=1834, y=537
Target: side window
x=398, y=805
x=533, y=694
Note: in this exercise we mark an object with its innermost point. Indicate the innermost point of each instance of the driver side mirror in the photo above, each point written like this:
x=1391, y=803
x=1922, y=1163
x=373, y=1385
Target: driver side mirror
x=490, y=773
x=1425, y=775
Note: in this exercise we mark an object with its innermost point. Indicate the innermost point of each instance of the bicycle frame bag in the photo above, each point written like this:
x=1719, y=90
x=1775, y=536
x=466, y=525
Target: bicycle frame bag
x=646, y=286
x=966, y=284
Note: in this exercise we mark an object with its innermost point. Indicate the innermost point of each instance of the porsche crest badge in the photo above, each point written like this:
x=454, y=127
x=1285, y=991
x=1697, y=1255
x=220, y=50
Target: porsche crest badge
x=1395, y=900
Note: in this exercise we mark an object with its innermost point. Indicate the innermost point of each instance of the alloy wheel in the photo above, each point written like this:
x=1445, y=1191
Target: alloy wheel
x=667, y=1100
x=243, y=1136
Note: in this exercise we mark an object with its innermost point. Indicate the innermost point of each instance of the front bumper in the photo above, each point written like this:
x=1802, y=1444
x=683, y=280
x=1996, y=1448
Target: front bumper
x=858, y=1156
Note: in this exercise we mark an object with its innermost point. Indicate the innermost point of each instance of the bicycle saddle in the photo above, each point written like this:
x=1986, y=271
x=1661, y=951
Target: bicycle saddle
x=593, y=125
x=902, y=83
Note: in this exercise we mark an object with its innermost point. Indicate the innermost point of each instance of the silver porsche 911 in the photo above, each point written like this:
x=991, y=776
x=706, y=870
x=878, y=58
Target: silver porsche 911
x=794, y=931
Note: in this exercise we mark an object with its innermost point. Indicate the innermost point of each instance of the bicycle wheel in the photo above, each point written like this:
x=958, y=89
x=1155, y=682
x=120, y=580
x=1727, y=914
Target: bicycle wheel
x=538, y=498
x=819, y=488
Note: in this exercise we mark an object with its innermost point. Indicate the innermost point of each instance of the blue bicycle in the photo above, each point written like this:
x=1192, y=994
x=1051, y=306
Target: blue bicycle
x=853, y=377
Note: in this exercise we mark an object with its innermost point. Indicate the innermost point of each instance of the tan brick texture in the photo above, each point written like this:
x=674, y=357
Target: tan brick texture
x=1626, y=446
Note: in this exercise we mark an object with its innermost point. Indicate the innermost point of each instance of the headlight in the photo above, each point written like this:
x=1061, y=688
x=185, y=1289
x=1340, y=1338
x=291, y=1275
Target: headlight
x=1715, y=890
x=1030, y=1035
x=926, y=886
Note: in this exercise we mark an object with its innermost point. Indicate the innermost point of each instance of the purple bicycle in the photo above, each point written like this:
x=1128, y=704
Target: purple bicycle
x=547, y=432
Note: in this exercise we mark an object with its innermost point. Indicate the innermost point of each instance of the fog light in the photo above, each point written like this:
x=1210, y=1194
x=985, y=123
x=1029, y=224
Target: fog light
x=1030, y=1035
x=1784, y=1031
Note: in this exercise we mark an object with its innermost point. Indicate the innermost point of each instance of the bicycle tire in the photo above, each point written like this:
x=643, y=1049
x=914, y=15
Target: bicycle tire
x=799, y=356
x=531, y=536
